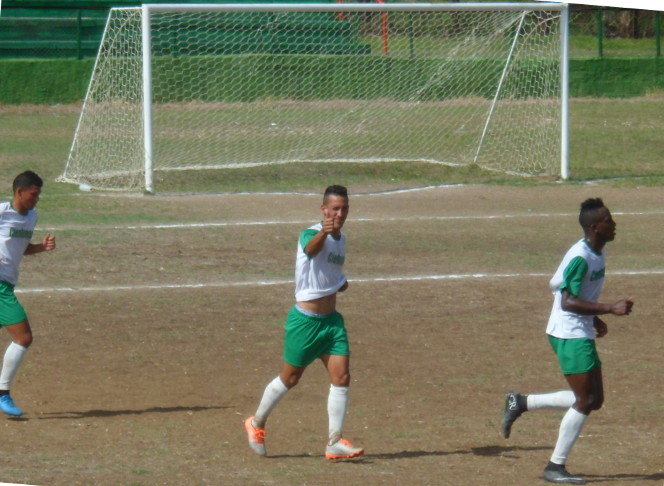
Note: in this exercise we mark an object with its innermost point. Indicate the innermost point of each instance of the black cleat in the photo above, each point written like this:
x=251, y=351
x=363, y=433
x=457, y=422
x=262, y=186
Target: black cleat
x=514, y=407
x=556, y=473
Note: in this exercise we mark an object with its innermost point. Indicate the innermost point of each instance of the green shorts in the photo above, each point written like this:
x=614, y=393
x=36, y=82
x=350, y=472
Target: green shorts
x=11, y=310
x=575, y=355
x=310, y=336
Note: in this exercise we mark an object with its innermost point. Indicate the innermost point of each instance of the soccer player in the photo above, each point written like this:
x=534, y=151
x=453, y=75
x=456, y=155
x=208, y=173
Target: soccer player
x=572, y=328
x=17, y=223
x=314, y=328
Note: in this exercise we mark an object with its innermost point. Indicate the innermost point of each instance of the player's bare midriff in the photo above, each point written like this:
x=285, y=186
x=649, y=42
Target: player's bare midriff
x=322, y=305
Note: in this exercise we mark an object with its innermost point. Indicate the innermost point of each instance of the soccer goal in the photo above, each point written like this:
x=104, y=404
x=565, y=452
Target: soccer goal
x=226, y=86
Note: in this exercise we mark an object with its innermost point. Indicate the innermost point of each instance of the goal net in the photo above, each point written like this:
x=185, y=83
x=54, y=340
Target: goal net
x=203, y=87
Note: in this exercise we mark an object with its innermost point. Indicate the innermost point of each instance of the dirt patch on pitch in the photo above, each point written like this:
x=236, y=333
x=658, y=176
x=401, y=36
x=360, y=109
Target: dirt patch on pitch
x=149, y=384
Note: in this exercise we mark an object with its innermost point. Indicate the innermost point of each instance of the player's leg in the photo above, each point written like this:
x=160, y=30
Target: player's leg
x=21, y=337
x=588, y=389
x=275, y=390
x=336, y=360
x=337, y=400
x=587, y=386
x=337, y=406
x=272, y=395
x=589, y=392
x=584, y=386
x=517, y=403
x=300, y=349
x=338, y=367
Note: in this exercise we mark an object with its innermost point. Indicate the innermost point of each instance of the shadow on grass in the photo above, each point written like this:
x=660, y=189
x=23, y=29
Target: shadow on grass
x=370, y=458
x=115, y=413
x=477, y=451
x=602, y=478
x=294, y=456
x=496, y=450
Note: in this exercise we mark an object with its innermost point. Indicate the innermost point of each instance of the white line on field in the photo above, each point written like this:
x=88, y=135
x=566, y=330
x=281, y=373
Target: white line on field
x=261, y=283
x=357, y=220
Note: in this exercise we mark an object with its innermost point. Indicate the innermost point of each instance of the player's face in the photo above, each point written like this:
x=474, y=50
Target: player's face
x=26, y=199
x=605, y=226
x=336, y=207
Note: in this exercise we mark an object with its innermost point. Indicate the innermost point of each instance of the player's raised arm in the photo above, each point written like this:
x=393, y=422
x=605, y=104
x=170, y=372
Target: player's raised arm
x=316, y=243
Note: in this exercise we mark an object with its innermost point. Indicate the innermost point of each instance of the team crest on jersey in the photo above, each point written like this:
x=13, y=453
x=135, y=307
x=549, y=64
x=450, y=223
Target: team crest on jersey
x=20, y=233
x=336, y=259
x=597, y=275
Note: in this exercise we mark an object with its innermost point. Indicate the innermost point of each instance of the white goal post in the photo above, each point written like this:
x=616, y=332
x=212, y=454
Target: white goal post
x=218, y=86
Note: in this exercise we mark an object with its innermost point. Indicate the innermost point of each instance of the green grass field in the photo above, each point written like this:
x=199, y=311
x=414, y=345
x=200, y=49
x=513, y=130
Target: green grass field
x=613, y=140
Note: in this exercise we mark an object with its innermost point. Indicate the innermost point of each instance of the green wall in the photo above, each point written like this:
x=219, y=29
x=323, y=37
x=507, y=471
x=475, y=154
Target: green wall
x=44, y=81
x=616, y=78
x=55, y=81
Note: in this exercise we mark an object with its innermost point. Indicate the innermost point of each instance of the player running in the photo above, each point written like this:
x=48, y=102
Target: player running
x=572, y=328
x=314, y=328
x=17, y=223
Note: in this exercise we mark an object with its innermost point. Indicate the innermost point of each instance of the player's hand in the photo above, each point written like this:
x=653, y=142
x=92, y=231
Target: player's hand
x=600, y=327
x=622, y=307
x=328, y=226
x=49, y=242
x=337, y=224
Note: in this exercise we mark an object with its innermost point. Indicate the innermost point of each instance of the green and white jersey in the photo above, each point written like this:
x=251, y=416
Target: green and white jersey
x=581, y=273
x=323, y=274
x=15, y=233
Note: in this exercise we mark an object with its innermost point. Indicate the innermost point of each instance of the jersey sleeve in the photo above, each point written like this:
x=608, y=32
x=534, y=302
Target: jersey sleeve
x=306, y=236
x=573, y=275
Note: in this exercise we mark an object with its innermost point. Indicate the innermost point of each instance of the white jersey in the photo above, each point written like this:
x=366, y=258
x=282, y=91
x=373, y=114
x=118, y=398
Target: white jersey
x=581, y=273
x=323, y=274
x=15, y=233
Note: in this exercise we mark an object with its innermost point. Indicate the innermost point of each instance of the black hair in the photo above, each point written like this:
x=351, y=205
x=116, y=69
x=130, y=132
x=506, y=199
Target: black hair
x=27, y=179
x=588, y=212
x=336, y=191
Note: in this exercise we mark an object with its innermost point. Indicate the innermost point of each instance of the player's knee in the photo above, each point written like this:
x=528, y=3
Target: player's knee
x=290, y=380
x=24, y=339
x=597, y=402
x=589, y=403
x=342, y=380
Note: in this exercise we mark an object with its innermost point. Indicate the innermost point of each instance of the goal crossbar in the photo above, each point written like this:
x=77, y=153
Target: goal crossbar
x=356, y=7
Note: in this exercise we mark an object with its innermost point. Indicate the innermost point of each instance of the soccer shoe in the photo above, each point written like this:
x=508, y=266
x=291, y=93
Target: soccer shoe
x=256, y=437
x=8, y=406
x=511, y=412
x=556, y=473
x=342, y=449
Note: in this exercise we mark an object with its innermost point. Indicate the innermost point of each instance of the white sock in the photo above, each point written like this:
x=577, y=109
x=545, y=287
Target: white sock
x=562, y=400
x=570, y=429
x=274, y=391
x=13, y=357
x=337, y=405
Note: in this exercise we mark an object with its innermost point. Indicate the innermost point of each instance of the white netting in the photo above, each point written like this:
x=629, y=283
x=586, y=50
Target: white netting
x=248, y=88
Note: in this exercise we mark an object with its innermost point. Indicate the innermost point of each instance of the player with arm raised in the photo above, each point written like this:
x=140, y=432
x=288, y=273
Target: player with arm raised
x=17, y=223
x=314, y=328
x=573, y=325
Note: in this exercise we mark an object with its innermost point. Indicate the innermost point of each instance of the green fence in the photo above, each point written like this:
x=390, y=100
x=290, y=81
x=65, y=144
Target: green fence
x=612, y=32
x=67, y=28
x=73, y=28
